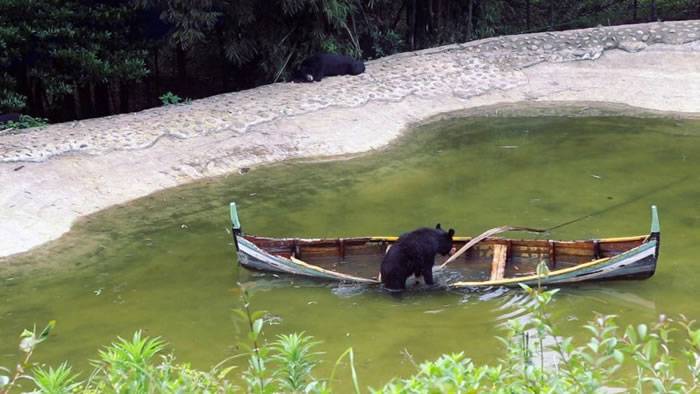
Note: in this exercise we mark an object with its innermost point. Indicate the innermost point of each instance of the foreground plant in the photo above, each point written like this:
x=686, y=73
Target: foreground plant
x=56, y=381
x=126, y=366
x=29, y=340
x=537, y=359
x=287, y=363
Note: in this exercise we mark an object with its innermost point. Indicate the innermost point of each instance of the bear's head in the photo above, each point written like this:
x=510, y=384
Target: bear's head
x=305, y=73
x=302, y=76
x=444, y=240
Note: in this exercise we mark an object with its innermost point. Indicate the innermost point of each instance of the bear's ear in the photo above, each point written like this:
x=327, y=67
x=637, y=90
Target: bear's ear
x=438, y=227
x=451, y=232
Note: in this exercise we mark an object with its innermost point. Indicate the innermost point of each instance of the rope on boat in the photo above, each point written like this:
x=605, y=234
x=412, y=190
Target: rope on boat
x=334, y=274
x=486, y=234
x=502, y=229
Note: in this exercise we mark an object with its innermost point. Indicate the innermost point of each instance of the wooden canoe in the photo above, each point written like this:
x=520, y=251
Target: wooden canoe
x=492, y=262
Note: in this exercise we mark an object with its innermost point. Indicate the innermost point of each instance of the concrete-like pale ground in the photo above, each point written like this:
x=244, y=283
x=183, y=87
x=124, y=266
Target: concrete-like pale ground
x=52, y=176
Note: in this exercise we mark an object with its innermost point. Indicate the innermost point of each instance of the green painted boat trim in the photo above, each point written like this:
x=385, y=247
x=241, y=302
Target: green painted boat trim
x=235, y=223
x=655, y=226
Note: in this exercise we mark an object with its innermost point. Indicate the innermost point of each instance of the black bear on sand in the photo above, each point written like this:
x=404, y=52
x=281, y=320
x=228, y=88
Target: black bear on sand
x=315, y=67
x=414, y=254
x=11, y=117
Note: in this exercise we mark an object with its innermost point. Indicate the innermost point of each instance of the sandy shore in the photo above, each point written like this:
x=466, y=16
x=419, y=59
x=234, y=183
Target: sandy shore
x=52, y=176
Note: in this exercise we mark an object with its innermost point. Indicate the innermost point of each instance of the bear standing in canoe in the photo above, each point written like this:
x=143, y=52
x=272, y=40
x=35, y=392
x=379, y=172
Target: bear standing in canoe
x=414, y=254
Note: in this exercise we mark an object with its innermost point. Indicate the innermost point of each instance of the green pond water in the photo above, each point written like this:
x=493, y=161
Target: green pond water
x=166, y=264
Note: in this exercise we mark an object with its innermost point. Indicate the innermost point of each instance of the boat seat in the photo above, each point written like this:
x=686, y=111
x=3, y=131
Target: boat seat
x=498, y=263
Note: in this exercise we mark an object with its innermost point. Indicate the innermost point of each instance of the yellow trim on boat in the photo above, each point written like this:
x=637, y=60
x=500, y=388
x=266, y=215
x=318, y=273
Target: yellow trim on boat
x=394, y=238
x=531, y=277
x=383, y=238
x=624, y=239
x=614, y=239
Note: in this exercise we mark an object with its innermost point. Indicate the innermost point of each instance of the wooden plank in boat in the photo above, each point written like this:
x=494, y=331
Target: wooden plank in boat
x=611, y=248
x=498, y=264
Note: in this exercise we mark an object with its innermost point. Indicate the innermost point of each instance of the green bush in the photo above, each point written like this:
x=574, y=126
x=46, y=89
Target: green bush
x=24, y=122
x=385, y=43
x=168, y=98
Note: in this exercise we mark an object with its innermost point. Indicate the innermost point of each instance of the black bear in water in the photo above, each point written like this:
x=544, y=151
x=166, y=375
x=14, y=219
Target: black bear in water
x=315, y=67
x=414, y=254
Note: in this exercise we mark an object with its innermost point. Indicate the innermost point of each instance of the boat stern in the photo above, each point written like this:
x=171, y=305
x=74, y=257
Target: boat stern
x=647, y=267
x=655, y=236
x=236, y=229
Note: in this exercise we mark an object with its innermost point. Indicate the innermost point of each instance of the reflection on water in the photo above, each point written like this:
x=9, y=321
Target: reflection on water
x=166, y=264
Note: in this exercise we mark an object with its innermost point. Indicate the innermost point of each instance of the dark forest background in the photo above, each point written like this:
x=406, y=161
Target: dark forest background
x=74, y=59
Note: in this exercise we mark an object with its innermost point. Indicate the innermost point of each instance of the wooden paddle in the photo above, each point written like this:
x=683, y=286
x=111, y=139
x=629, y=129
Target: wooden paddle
x=486, y=234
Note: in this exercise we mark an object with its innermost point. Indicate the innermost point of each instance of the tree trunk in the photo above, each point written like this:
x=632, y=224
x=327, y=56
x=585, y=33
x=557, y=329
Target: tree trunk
x=103, y=100
x=422, y=22
x=445, y=23
x=93, y=100
x=156, y=73
x=224, y=74
x=439, y=20
x=551, y=14
x=411, y=24
x=43, y=102
x=124, y=91
x=652, y=14
x=431, y=18
x=77, y=108
x=65, y=107
x=24, y=86
x=527, y=15
x=109, y=93
x=181, y=56
x=469, y=19
x=33, y=99
x=634, y=10
x=398, y=16
x=223, y=61
x=85, y=105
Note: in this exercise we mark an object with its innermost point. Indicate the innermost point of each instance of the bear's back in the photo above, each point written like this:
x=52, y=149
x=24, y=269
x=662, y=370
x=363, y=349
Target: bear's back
x=420, y=241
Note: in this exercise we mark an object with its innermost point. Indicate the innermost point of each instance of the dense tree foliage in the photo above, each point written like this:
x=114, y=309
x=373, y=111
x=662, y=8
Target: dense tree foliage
x=72, y=59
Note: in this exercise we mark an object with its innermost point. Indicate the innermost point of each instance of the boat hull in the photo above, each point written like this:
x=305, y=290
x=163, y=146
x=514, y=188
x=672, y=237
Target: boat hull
x=253, y=257
x=637, y=263
x=570, y=261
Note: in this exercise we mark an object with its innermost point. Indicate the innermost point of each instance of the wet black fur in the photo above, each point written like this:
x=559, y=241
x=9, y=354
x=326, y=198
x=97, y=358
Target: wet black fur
x=414, y=254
